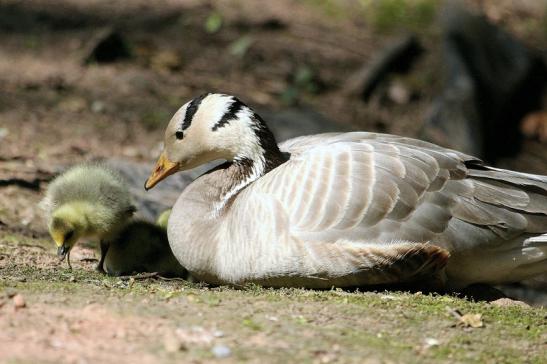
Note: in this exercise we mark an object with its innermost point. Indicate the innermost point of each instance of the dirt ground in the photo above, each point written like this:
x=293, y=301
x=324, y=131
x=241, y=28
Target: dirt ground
x=56, y=110
x=51, y=314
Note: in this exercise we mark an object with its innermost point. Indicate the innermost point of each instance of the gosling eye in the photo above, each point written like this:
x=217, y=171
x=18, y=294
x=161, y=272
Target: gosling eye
x=69, y=235
x=179, y=134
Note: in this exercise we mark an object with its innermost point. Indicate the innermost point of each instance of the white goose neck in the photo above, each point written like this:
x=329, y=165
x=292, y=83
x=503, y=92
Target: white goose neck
x=258, y=154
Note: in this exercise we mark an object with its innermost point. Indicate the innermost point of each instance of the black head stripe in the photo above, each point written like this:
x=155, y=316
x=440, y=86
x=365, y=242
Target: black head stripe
x=230, y=114
x=191, y=110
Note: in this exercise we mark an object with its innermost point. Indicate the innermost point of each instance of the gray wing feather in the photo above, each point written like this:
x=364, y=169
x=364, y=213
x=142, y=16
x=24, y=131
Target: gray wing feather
x=367, y=184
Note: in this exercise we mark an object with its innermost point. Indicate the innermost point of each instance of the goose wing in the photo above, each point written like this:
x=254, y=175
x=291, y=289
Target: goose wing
x=359, y=186
x=381, y=188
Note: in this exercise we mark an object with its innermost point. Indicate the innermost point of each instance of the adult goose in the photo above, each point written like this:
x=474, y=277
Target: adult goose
x=343, y=209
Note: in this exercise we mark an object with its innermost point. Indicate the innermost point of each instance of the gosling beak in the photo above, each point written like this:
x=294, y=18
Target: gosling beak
x=62, y=251
x=164, y=168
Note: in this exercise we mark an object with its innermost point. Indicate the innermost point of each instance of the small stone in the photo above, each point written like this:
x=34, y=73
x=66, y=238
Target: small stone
x=507, y=302
x=398, y=93
x=97, y=106
x=130, y=152
x=221, y=351
x=218, y=333
x=56, y=343
x=19, y=301
x=172, y=344
x=120, y=334
x=430, y=342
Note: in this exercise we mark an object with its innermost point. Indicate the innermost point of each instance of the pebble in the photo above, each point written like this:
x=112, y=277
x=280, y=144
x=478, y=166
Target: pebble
x=507, y=302
x=19, y=301
x=398, y=93
x=221, y=351
x=172, y=344
x=97, y=106
x=430, y=342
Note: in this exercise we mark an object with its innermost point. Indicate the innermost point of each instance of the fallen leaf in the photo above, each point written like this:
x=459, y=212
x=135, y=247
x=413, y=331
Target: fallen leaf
x=473, y=320
x=240, y=47
x=166, y=61
x=213, y=22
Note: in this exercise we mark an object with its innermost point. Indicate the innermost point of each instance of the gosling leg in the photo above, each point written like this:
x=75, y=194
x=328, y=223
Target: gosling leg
x=104, y=249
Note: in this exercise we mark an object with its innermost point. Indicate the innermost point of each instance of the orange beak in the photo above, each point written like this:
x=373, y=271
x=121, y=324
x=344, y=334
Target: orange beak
x=164, y=168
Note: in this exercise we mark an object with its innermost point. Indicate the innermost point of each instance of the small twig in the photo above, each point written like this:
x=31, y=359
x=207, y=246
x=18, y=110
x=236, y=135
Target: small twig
x=155, y=275
x=32, y=185
x=172, y=279
x=12, y=158
x=140, y=276
x=87, y=260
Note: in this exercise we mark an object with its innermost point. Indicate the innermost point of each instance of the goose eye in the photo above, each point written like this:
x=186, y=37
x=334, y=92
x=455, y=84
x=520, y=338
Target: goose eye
x=179, y=134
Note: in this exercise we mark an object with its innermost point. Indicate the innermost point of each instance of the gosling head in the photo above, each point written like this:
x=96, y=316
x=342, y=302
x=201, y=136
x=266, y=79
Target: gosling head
x=208, y=128
x=66, y=226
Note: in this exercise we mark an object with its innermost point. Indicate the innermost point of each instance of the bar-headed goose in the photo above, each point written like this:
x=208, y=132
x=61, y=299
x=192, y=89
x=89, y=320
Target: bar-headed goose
x=346, y=209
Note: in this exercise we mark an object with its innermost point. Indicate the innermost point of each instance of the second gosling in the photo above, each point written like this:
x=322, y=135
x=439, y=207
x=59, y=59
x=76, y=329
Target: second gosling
x=142, y=247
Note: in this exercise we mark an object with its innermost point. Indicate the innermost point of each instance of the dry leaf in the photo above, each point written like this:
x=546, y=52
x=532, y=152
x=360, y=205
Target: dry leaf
x=471, y=320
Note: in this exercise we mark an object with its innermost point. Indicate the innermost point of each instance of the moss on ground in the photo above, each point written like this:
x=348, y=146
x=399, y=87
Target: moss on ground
x=282, y=325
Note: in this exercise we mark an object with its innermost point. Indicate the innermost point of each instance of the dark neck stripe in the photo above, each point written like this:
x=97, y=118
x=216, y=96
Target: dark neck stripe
x=230, y=114
x=273, y=157
x=191, y=110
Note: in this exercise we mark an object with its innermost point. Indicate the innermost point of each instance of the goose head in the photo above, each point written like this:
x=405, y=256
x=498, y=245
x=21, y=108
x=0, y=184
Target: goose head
x=212, y=127
x=68, y=224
